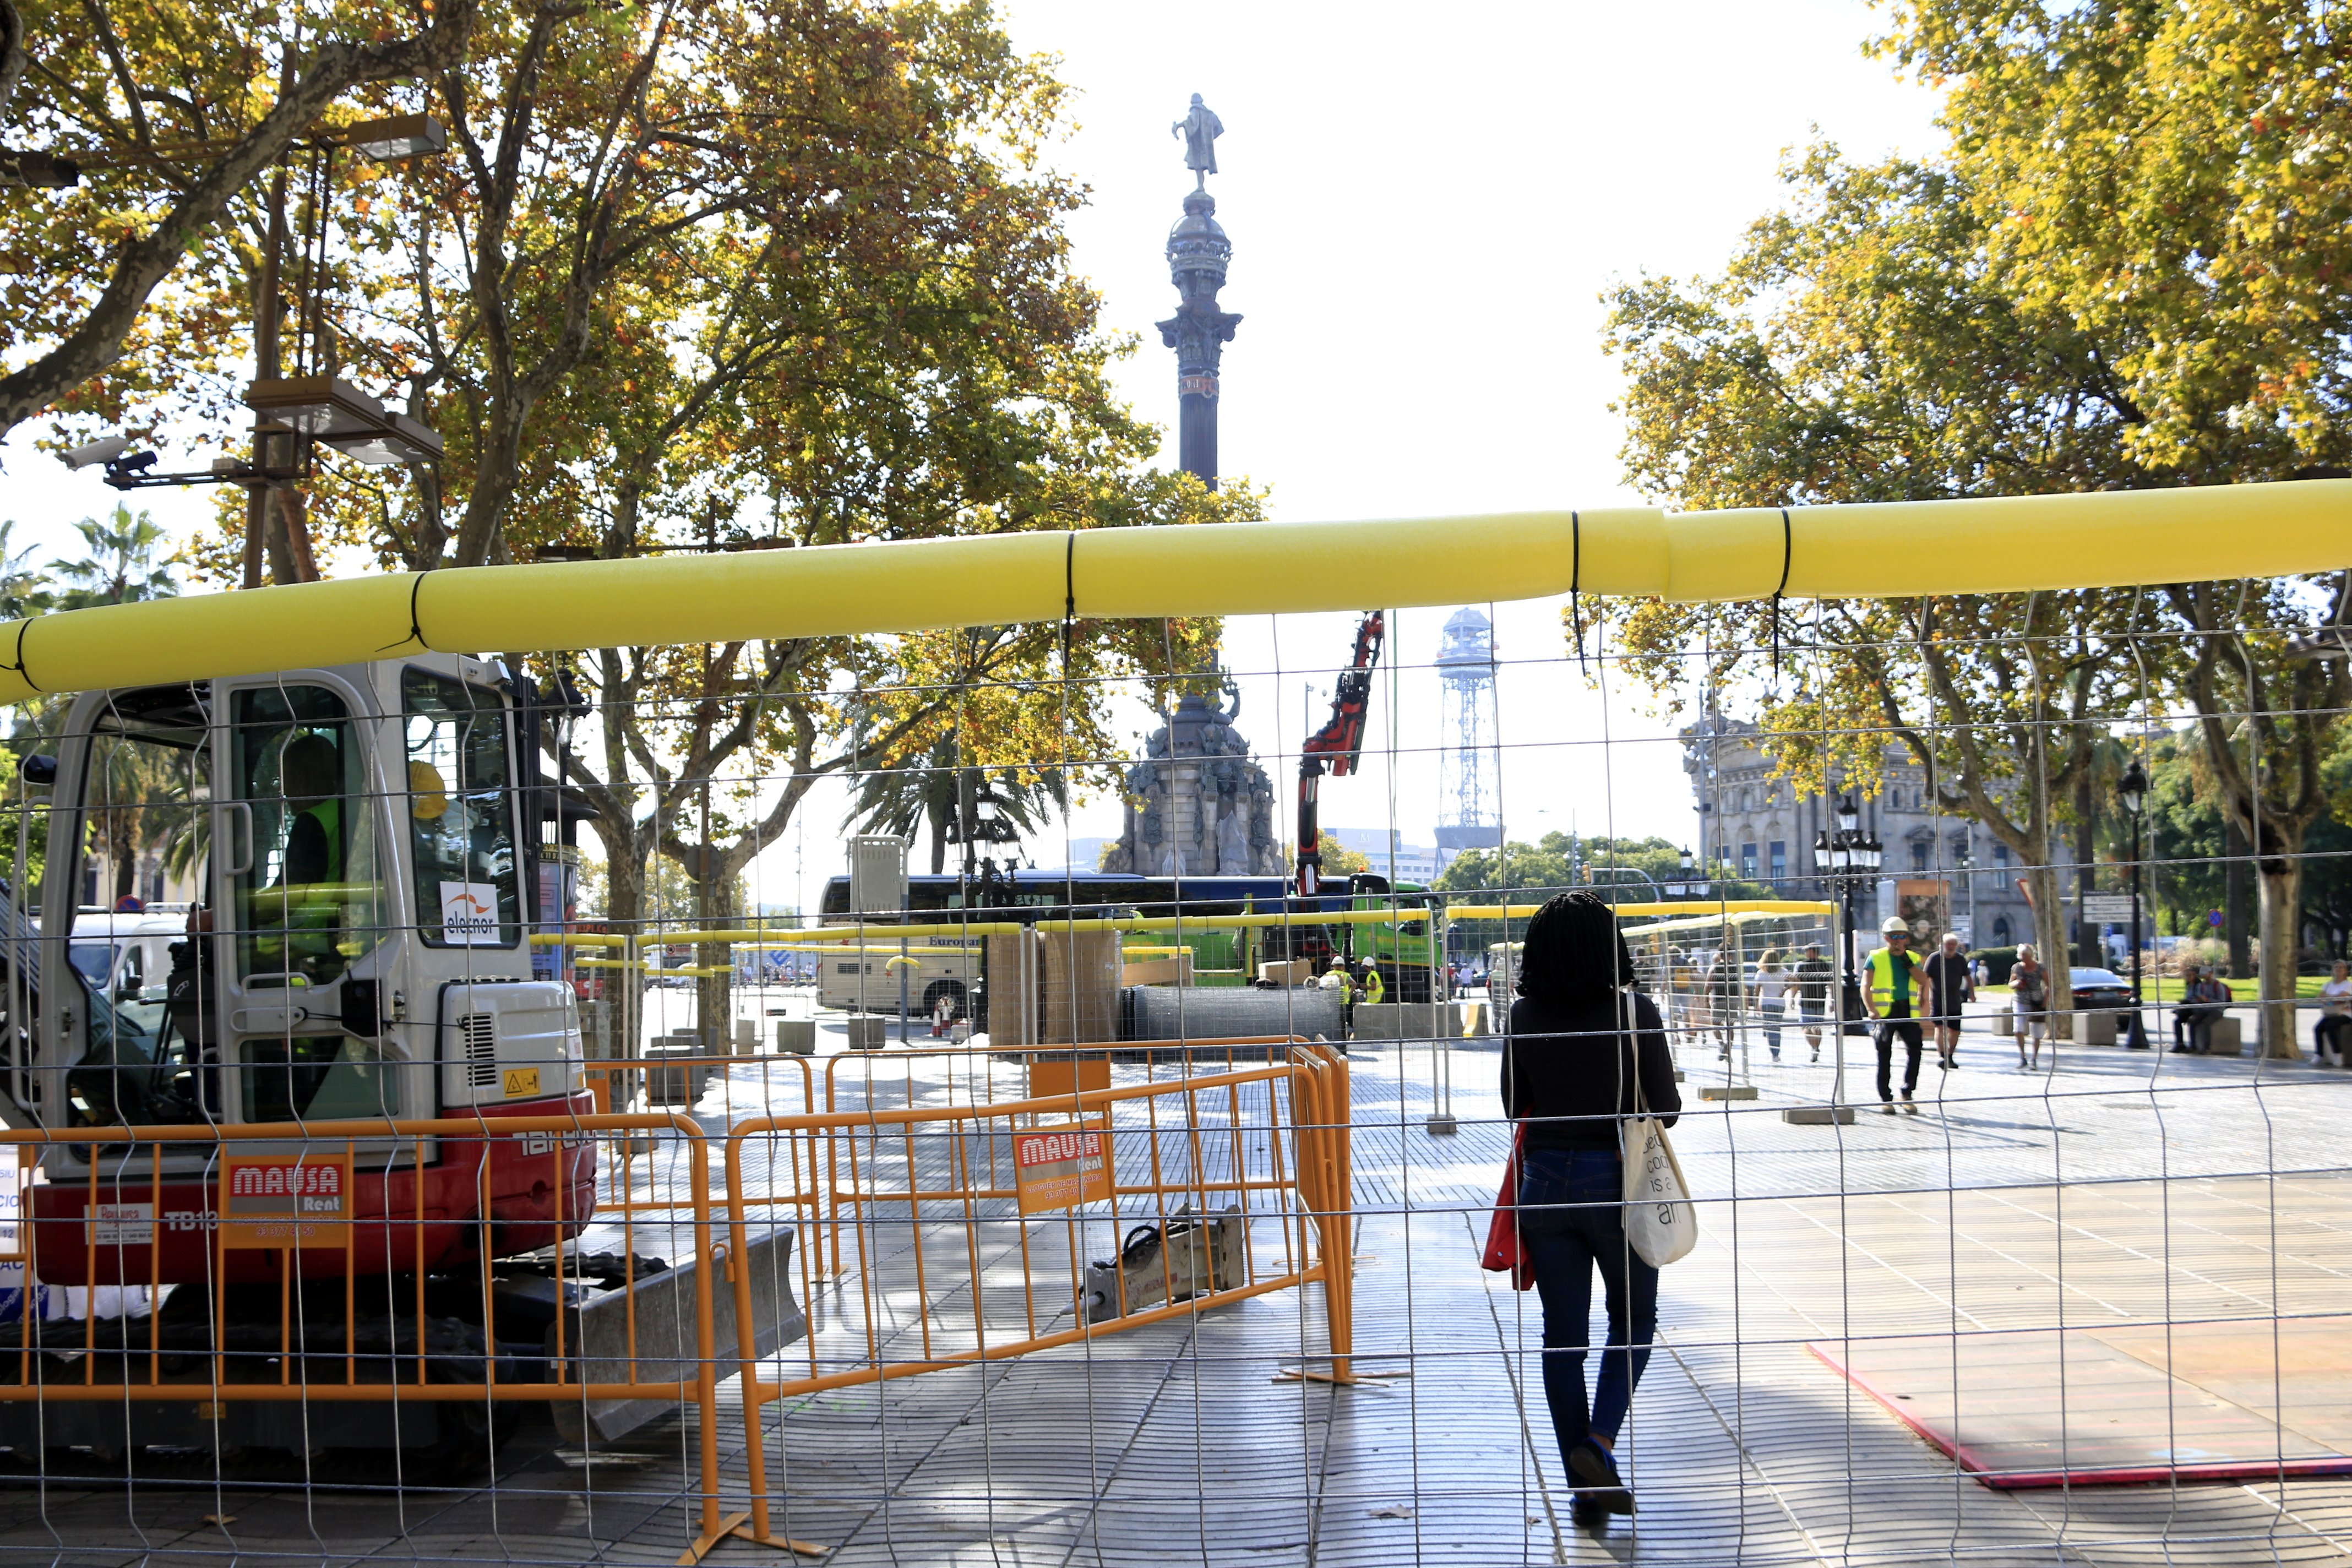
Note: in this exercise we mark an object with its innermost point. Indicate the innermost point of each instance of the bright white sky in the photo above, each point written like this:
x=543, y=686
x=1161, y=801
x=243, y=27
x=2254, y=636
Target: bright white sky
x=1424, y=205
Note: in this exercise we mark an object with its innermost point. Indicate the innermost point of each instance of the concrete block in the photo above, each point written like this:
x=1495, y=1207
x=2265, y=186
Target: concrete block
x=747, y=1037
x=796, y=1036
x=1819, y=1115
x=867, y=1031
x=680, y=1083
x=1293, y=971
x=669, y=1349
x=2004, y=1021
x=1727, y=1091
x=1406, y=1021
x=2099, y=1029
x=2225, y=1037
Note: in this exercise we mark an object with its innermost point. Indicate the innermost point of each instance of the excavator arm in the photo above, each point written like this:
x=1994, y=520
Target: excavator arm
x=1336, y=747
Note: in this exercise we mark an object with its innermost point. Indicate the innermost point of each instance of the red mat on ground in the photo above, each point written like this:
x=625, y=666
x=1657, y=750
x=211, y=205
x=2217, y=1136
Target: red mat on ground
x=2111, y=1406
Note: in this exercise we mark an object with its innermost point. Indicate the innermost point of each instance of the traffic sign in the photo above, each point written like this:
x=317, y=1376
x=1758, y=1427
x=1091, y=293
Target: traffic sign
x=2103, y=906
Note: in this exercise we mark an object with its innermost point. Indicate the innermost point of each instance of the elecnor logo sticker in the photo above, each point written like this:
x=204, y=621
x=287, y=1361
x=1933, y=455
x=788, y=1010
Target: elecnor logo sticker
x=284, y=1200
x=469, y=914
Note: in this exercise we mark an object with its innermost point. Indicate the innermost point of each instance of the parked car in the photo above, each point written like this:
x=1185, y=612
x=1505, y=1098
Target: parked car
x=2097, y=990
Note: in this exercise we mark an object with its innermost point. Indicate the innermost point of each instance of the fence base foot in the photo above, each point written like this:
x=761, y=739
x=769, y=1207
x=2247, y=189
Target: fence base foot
x=737, y=1526
x=1349, y=1379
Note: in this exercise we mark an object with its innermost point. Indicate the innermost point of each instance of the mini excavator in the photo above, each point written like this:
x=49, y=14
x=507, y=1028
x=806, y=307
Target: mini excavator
x=363, y=842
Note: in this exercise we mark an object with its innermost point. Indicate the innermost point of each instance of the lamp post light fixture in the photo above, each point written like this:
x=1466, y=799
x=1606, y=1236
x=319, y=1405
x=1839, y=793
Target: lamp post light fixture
x=2133, y=792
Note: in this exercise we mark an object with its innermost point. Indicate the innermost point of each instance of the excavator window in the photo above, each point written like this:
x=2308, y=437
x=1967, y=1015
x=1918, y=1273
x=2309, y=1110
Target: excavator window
x=460, y=817
x=308, y=891
x=145, y=798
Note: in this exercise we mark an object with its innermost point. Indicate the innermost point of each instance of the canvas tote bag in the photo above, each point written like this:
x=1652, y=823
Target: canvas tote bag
x=1660, y=1223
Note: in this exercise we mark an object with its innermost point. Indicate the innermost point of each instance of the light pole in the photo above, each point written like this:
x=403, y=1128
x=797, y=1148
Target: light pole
x=1850, y=855
x=2133, y=792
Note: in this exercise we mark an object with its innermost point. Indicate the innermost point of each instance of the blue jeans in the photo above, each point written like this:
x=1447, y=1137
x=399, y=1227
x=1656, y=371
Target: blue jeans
x=1571, y=1220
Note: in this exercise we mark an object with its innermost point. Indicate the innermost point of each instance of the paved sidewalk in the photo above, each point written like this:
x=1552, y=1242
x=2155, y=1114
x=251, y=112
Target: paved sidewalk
x=2119, y=1189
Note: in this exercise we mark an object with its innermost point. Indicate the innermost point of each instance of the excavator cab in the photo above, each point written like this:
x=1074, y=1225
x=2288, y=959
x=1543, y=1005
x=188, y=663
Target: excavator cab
x=347, y=852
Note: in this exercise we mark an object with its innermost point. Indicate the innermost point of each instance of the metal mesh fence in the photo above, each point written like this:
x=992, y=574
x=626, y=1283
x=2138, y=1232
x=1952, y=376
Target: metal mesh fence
x=435, y=1136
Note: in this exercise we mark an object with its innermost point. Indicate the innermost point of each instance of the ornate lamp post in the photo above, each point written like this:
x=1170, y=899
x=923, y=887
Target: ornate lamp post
x=2133, y=792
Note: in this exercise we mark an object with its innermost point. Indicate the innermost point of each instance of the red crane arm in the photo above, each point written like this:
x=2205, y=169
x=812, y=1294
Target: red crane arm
x=1338, y=746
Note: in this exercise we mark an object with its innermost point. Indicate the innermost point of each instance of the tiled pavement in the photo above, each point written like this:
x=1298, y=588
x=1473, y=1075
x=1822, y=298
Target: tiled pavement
x=2120, y=1188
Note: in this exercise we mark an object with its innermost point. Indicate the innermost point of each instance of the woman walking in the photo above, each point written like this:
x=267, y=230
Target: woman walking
x=2029, y=986
x=1585, y=1051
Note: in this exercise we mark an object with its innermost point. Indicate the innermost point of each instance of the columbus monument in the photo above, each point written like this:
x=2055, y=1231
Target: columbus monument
x=1198, y=332
x=1198, y=805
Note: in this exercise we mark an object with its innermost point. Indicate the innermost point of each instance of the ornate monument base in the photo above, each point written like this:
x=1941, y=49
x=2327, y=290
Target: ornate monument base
x=1198, y=805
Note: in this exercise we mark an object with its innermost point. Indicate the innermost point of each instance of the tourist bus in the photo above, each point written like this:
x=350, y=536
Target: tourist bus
x=867, y=980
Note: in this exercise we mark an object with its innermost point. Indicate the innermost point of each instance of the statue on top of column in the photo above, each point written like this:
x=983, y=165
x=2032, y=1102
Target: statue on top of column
x=1200, y=127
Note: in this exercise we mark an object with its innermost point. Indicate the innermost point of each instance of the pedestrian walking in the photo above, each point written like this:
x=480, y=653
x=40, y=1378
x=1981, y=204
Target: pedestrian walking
x=2335, y=1016
x=1722, y=998
x=1772, y=985
x=2029, y=989
x=1815, y=982
x=1951, y=982
x=1897, y=997
x=1586, y=1050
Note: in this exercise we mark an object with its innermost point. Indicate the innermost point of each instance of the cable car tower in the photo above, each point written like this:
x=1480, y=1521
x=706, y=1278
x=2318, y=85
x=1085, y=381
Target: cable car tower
x=1469, y=769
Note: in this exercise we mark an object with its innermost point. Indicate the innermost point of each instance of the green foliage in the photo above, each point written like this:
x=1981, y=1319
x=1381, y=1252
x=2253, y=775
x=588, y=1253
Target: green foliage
x=1622, y=870
x=122, y=565
x=938, y=790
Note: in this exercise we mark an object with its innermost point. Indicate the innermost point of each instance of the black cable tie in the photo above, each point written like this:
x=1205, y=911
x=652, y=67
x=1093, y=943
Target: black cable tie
x=415, y=632
x=1070, y=578
x=1575, y=583
x=1787, y=549
x=22, y=627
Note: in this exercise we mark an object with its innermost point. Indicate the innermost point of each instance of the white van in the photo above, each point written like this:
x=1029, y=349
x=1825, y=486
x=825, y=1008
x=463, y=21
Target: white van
x=126, y=956
x=865, y=979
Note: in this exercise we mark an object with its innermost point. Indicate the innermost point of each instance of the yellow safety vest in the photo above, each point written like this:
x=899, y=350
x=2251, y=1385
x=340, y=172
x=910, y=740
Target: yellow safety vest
x=1881, y=964
x=1374, y=987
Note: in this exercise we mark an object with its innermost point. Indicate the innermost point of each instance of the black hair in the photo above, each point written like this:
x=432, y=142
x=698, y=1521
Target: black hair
x=1574, y=951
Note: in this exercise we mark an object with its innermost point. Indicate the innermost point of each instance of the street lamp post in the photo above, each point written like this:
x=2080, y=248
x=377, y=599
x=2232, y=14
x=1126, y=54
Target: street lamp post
x=1850, y=855
x=2133, y=791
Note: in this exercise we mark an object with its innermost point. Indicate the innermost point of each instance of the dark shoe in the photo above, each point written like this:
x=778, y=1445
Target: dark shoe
x=1590, y=1466
x=1607, y=1500
x=1588, y=1511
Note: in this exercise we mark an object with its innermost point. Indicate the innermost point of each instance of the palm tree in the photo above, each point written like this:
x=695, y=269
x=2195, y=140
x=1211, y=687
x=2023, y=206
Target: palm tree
x=24, y=589
x=932, y=789
x=121, y=564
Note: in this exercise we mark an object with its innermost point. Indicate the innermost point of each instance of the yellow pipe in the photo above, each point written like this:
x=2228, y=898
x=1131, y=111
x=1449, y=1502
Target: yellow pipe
x=1696, y=910
x=2103, y=539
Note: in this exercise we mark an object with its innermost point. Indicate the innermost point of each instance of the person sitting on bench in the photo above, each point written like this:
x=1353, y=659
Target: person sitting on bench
x=2193, y=1021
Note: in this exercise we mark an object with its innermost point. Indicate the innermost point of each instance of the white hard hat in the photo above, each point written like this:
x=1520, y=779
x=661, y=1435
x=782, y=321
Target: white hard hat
x=1893, y=925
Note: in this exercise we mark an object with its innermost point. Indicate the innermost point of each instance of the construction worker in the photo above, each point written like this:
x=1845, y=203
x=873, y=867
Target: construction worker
x=1897, y=997
x=1336, y=978
x=1376, y=990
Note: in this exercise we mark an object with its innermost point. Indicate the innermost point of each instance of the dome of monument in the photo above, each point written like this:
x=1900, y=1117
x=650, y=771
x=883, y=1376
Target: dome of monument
x=1197, y=242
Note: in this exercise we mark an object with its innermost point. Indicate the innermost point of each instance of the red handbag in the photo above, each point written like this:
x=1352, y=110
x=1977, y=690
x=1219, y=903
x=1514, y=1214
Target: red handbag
x=1504, y=1253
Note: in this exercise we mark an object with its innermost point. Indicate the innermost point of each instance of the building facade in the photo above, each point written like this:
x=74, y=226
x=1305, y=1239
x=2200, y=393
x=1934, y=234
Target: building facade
x=1759, y=827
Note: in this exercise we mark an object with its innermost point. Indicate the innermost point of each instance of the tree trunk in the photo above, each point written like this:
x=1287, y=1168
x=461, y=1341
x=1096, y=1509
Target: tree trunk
x=2235, y=899
x=714, y=1000
x=2050, y=937
x=2282, y=911
x=2087, y=945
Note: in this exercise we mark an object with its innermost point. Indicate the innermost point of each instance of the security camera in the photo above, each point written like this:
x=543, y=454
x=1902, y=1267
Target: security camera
x=105, y=449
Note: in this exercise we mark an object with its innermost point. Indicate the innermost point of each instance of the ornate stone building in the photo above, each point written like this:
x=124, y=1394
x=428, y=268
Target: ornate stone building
x=1759, y=827
x=1198, y=805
